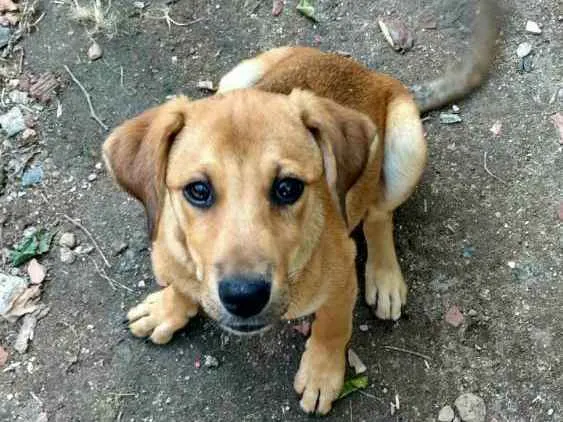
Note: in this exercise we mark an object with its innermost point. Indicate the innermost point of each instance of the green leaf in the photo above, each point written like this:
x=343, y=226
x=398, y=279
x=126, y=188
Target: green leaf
x=356, y=383
x=307, y=9
x=30, y=247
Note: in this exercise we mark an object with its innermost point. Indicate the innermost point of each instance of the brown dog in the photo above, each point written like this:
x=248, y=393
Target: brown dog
x=251, y=194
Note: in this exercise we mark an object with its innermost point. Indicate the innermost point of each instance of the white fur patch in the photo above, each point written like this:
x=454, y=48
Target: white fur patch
x=245, y=75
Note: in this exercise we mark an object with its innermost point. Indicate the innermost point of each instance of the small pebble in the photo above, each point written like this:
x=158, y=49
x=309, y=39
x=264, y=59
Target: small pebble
x=511, y=264
x=533, y=28
x=139, y=4
x=141, y=284
x=12, y=122
x=211, y=362
x=28, y=133
x=83, y=249
x=524, y=49
x=449, y=118
x=454, y=316
x=446, y=414
x=99, y=165
x=67, y=240
x=119, y=247
x=92, y=177
x=66, y=255
x=95, y=51
x=550, y=412
x=364, y=328
x=206, y=85
x=32, y=176
x=455, y=109
x=472, y=313
x=471, y=408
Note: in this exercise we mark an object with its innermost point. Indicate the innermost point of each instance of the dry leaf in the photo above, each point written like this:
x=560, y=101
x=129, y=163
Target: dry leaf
x=26, y=333
x=25, y=303
x=355, y=362
x=557, y=120
x=277, y=7
x=3, y=356
x=36, y=272
x=397, y=34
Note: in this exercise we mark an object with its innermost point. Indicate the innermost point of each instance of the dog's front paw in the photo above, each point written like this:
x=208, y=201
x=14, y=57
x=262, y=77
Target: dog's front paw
x=160, y=315
x=386, y=292
x=320, y=378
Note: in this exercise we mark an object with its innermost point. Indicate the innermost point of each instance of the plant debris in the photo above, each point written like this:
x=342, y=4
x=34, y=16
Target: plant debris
x=277, y=7
x=13, y=121
x=31, y=246
x=454, y=317
x=557, y=120
x=353, y=384
x=306, y=8
x=399, y=37
x=3, y=356
x=42, y=87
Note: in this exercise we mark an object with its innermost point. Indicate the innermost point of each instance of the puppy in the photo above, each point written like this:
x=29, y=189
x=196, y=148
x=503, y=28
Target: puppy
x=251, y=194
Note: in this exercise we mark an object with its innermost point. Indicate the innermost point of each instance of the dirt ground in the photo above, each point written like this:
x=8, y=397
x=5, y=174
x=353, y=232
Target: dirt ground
x=487, y=239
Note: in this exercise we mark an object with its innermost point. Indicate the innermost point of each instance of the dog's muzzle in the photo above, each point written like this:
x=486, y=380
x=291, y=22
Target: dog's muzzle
x=245, y=300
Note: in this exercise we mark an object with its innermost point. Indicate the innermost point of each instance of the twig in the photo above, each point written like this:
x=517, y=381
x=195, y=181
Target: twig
x=410, y=352
x=85, y=230
x=488, y=171
x=88, y=99
x=112, y=282
x=121, y=76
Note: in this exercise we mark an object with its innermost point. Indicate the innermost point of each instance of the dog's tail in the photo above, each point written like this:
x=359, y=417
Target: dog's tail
x=468, y=75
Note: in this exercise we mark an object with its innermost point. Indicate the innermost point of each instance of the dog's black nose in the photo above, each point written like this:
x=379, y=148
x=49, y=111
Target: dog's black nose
x=244, y=296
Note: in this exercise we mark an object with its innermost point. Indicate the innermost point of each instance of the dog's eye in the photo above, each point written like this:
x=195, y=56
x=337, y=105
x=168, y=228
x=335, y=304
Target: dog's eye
x=286, y=191
x=200, y=194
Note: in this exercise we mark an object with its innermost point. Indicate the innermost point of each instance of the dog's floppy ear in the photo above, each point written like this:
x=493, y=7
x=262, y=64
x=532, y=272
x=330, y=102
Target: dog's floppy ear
x=344, y=137
x=136, y=154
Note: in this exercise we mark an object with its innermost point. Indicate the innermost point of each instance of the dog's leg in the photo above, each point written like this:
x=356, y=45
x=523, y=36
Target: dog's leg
x=161, y=314
x=250, y=71
x=323, y=364
x=403, y=163
x=386, y=290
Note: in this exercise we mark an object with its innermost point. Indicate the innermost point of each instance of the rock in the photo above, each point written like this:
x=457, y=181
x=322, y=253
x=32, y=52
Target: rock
x=450, y=118
x=533, y=28
x=32, y=176
x=446, y=414
x=28, y=133
x=355, y=362
x=66, y=255
x=524, y=49
x=511, y=264
x=68, y=240
x=455, y=109
x=99, y=165
x=83, y=249
x=18, y=97
x=139, y=5
x=210, y=362
x=26, y=333
x=471, y=408
x=10, y=288
x=92, y=177
x=12, y=122
x=95, y=51
x=364, y=328
x=118, y=247
x=5, y=34
x=206, y=85
x=453, y=316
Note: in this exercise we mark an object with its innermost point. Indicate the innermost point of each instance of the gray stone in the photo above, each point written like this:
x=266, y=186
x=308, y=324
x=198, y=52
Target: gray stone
x=12, y=122
x=32, y=176
x=449, y=118
x=471, y=408
x=68, y=240
x=524, y=49
x=10, y=288
x=66, y=255
x=5, y=34
x=210, y=362
x=83, y=249
x=446, y=414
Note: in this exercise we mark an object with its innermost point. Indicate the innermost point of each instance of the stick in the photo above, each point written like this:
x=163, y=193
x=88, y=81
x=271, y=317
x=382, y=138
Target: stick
x=81, y=227
x=112, y=282
x=488, y=171
x=410, y=352
x=88, y=99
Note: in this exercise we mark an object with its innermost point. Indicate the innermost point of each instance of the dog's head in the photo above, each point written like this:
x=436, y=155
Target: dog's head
x=250, y=178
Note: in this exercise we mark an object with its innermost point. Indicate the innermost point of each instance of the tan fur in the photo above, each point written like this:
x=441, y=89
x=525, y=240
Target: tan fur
x=354, y=138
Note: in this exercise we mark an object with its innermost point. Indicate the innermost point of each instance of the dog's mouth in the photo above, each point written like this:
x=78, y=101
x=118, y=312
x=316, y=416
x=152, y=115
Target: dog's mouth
x=246, y=329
